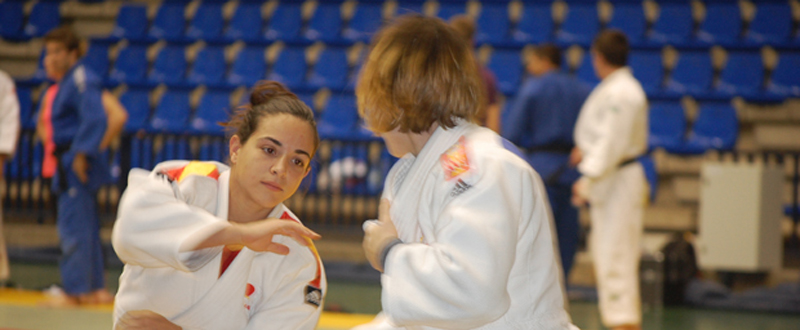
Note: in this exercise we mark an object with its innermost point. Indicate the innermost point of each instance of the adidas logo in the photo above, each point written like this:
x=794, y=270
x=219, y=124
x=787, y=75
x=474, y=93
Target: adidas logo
x=460, y=187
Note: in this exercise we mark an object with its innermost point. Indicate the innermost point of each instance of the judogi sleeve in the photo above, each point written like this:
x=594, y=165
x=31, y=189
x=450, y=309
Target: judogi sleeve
x=9, y=117
x=93, y=120
x=459, y=280
x=613, y=128
x=155, y=222
x=293, y=302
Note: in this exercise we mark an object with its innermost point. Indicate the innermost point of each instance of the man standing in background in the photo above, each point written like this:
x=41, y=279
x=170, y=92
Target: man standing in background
x=9, y=133
x=72, y=117
x=541, y=120
x=610, y=135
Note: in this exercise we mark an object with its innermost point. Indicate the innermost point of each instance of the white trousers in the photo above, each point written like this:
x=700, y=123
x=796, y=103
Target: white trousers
x=5, y=272
x=617, y=210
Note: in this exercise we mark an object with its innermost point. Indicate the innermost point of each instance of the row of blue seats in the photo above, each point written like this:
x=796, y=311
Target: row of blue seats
x=693, y=74
x=174, y=115
x=210, y=68
x=715, y=128
x=772, y=24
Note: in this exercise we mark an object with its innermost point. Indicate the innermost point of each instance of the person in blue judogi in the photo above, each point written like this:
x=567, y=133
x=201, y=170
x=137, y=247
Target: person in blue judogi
x=72, y=118
x=540, y=120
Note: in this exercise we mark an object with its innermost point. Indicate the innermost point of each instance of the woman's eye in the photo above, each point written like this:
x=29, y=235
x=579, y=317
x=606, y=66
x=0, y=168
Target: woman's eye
x=299, y=162
x=269, y=150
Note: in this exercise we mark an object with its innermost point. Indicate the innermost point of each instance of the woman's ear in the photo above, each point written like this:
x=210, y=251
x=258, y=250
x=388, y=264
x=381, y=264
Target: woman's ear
x=235, y=145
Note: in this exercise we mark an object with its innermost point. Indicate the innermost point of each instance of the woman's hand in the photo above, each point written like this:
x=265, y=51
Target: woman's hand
x=378, y=234
x=257, y=236
x=144, y=320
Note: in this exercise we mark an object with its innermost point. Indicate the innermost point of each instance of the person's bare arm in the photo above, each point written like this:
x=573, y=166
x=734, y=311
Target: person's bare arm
x=117, y=116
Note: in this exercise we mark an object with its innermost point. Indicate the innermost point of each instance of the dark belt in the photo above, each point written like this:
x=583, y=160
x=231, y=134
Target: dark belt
x=554, y=147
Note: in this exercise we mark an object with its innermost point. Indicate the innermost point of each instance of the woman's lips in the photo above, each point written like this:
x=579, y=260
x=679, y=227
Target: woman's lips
x=272, y=186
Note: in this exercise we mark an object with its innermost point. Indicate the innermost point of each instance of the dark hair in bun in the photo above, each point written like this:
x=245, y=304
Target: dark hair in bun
x=269, y=98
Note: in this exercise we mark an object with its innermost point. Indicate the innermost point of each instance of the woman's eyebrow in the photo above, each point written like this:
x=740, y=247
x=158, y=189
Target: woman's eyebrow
x=278, y=143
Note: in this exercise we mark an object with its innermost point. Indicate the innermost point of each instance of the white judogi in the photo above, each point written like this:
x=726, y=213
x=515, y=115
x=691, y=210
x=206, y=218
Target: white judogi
x=479, y=249
x=158, y=216
x=9, y=133
x=611, y=129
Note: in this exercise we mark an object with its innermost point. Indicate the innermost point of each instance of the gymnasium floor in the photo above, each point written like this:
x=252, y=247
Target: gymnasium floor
x=19, y=311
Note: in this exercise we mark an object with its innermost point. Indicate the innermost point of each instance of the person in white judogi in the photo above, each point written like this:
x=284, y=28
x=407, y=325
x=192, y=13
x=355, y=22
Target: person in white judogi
x=195, y=236
x=611, y=133
x=465, y=236
x=9, y=133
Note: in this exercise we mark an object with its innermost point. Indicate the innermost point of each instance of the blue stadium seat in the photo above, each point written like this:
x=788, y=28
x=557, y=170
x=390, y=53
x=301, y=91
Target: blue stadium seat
x=169, y=22
x=130, y=66
x=141, y=152
x=131, y=22
x=647, y=68
x=585, y=71
x=213, y=149
x=629, y=18
x=207, y=22
x=723, y=23
x=408, y=7
x=137, y=102
x=743, y=74
x=26, y=111
x=772, y=23
x=536, y=23
x=330, y=70
x=692, y=73
x=507, y=67
x=667, y=125
x=208, y=67
x=674, y=24
x=307, y=98
x=214, y=107
x=11, y=19
x=785, y=78
x=169, y=66
x=448, y=9
x=716, y=128
x=285, y=22
x=44, y=17
x=339, y=120
x=493, y=23
x=248, y=67
x=326, y=23
x=246, y=23
x=172, y=112
x=25, y=157
x=580, y=25
x=290, y=67
x=96, y=59
x=366, y=20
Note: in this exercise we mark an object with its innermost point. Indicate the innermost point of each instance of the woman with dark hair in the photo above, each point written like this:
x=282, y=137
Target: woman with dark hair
x=194, y=236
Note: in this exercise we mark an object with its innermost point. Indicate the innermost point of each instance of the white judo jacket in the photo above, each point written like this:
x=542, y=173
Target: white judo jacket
x=612, y=125
x=479, y=250
x=9, y=115
x=161, y=211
